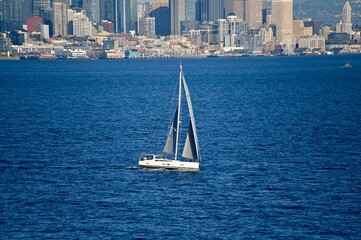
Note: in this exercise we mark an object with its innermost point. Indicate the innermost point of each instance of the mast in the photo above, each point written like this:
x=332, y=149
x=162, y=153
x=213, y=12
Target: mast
x=179, y=111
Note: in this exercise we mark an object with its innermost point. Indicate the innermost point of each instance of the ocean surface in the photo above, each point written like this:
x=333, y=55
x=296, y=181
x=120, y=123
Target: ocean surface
x=280, y=139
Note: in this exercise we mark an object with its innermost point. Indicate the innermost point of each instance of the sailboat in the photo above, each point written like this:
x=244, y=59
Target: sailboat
x=190, y=158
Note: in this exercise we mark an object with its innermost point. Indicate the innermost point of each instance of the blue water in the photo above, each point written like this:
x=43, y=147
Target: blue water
x=280, y=140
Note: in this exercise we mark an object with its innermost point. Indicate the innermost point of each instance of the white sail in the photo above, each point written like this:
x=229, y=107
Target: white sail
x=170, y=144
x=191, y=149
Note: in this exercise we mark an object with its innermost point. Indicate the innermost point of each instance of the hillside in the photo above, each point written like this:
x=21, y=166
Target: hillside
x=327, y=11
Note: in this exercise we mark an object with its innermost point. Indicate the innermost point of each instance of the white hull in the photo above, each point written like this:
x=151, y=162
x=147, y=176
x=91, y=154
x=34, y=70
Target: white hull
x=169, y=164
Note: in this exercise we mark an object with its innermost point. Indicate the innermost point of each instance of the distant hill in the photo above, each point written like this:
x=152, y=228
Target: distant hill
x=329, y=12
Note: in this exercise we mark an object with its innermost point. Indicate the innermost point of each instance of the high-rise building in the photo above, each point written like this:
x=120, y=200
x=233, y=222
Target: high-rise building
x=235, y=6
x=190, y=13
x=39, y=5
x=210, y=10
x=346, y=18
x=300, y=30
x=159, y=3
x=253, y=13
x=125, y=15
x=282, y=17
x=162, y=20
x=92, y=10
x=147, y=27
x=264, y=12
x=143, y=10
x=11, y=15
x=177, y=15
x=60, y=19
x=107, y=10
x=82, y=26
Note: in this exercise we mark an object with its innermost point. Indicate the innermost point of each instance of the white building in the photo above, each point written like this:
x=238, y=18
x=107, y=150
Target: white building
x=315, y=42
x=44, y=30
x=82, y=26
x=266, y=34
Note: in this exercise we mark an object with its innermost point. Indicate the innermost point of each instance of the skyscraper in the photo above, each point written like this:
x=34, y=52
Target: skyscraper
x=147, y=27
x=92, y=10
x=82, y=26
x=11, y=17
x=253, y=13
x=125, y=15
x=177, y=15
x=161, y=13
x=159, y=3
x=210, y=10
x=60, y=19
x=39, y=5
x=107, y=12
x=250, y=11
x=346, y=18
x=235, y=6
x=190, y=12
x=282, y=17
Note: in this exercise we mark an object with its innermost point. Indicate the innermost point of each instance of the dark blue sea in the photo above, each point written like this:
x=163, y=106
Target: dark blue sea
x=280, y=139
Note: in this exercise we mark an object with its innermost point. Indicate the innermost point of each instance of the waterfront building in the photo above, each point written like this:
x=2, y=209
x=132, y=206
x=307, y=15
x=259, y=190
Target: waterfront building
x=346, y=18
x=312, y=42
x=282, y=17
x=147, y=27
x=92, y=9
x=82, y=26
x=60, y=19
x=17, y=37
x=177, y=15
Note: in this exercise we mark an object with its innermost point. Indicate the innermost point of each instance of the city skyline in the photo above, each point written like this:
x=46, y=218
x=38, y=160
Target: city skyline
x=227, y=27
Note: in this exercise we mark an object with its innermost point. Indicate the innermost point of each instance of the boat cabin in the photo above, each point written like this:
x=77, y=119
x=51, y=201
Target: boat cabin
x=149, y=157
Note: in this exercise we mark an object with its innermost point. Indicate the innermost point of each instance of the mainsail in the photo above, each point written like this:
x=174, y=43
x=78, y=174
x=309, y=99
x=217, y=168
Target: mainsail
x=191, y=149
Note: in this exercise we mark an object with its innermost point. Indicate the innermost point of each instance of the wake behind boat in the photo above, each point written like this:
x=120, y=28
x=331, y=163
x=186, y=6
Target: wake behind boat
x=190, y=158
